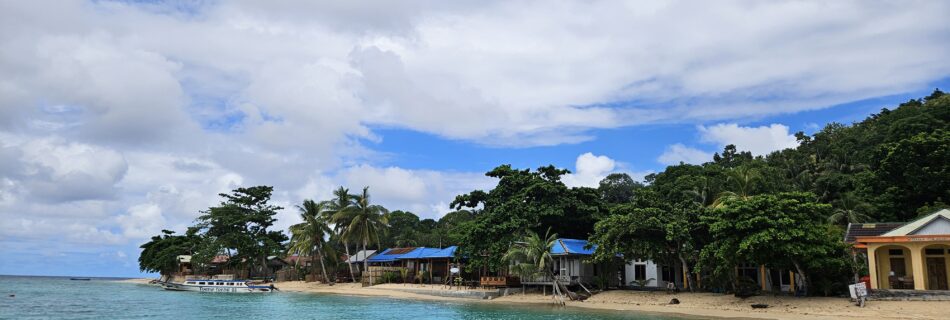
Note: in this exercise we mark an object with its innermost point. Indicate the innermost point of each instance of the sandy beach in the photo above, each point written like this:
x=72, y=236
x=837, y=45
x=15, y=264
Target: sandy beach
x=691, y=304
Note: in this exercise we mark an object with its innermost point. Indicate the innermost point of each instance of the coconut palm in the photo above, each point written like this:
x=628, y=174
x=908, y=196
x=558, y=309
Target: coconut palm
x=741, y=181
x=532, y=255
x=850, y=209
x=341, y=202
x=365, y=222
x=308, y=236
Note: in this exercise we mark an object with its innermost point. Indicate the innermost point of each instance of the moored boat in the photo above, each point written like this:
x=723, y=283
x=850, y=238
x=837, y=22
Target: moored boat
x=227, y=286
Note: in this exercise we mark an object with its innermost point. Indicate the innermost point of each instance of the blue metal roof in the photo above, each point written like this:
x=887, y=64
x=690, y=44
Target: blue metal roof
x=386, y=256
x=419, y=253
x=572, y=246
x=446, y=253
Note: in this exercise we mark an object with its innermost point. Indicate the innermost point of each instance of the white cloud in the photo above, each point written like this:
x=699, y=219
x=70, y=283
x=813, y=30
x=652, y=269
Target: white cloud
x=423, y=192
x=142, y=221
x=677, y=153
x=589, y=170
x=758, y=140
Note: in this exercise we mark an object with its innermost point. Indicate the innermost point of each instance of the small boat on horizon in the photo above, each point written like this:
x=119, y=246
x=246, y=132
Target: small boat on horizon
x=226, y=286
x=80, y=279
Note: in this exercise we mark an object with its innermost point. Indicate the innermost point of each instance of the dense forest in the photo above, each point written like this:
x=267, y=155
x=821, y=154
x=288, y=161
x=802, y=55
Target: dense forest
x=786, y=209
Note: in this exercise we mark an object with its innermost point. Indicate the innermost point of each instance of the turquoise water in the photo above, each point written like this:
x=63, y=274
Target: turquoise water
x=61, y=298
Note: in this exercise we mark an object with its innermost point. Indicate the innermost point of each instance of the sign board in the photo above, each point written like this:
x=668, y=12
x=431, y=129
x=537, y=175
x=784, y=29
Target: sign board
x=454, y=270
x=858, y=290
x=861, y=289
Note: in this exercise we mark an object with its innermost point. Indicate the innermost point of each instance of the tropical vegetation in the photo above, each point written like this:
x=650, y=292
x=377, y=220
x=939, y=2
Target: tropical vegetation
x=786, y=209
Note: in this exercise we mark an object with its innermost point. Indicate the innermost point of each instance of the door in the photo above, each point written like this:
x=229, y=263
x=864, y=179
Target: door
x=936, y=274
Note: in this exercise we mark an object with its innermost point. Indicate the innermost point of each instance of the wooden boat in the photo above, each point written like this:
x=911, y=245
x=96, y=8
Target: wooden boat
x=226, y=286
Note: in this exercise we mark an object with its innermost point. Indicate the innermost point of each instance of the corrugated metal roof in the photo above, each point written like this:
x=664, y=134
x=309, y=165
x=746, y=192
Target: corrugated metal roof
x=419, y=253
x=856, y=230
x=391, y=254
x=572, y=246
x=446, y=253
x=915, y=225
x=360, y=255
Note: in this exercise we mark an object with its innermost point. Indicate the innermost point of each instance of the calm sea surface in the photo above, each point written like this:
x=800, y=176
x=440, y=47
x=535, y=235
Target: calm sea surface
x=61, y=298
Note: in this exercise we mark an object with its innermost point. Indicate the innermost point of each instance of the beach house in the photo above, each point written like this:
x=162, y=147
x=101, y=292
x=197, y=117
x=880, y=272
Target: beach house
x=909, y=256
x=434, y=263
x=648, y=273
x=572, y=265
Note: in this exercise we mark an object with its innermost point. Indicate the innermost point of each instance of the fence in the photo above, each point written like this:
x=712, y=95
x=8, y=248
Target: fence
x=377, y=275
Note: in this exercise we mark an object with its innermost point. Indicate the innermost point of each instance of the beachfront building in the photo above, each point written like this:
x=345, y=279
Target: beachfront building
x=434, y=263
x=776, y=280
x=647, y=273
x=911, y=256
x=573, y=265
x=356, y=260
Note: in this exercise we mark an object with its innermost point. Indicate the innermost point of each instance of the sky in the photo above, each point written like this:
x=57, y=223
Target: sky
x=122, y=118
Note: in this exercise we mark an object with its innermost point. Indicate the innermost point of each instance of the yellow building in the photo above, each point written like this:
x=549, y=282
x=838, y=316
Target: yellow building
x=912, y=256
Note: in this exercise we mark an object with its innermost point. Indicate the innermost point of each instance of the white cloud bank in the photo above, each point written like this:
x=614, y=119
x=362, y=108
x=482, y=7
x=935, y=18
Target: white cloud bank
x=758, y=140
x=677, y=153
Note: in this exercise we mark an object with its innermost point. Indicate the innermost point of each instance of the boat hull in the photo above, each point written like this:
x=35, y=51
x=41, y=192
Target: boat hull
x=216, y=289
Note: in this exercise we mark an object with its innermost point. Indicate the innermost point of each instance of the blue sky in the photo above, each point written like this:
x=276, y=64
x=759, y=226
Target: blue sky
x=122, y=118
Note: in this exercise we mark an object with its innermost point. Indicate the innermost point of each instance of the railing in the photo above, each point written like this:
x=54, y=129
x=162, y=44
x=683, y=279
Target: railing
x=499, y=281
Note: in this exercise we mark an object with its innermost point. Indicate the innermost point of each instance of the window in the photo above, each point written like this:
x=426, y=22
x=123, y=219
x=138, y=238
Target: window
x=639, y=272
x=934, y=251
x=898, y=267
x=667, y=274
x=895, y=252
x=201, y=283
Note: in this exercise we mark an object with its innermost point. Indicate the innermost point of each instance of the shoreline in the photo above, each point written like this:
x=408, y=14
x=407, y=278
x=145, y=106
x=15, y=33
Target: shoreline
x=692, y=305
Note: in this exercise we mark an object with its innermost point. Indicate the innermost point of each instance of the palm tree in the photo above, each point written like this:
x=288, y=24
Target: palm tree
x=532, y=255
x=742, y=182
x=366, y=222
x=343, y=201
x=850, y=209
x=308, y=236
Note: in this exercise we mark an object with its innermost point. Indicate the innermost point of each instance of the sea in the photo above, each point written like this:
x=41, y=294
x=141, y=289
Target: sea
x=28, y=297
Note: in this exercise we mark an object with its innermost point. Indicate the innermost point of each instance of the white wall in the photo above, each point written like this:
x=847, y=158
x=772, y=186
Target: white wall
x=652, y=272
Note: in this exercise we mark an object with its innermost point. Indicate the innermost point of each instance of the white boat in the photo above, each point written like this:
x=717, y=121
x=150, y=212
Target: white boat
x=232, y=286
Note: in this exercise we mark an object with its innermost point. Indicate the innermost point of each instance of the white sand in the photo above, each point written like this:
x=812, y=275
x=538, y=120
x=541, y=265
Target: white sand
x=691, y=304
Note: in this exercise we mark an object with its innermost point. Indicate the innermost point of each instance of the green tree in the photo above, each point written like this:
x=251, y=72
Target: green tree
x=525, y=199
x=309, y=236
x=532, y=254
x=780, y=230
x=651, y=228
x=160, y=254
x=341, y=202
x=367, y=222
x=618, y=188
x=850, y=209
x=240, y=225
